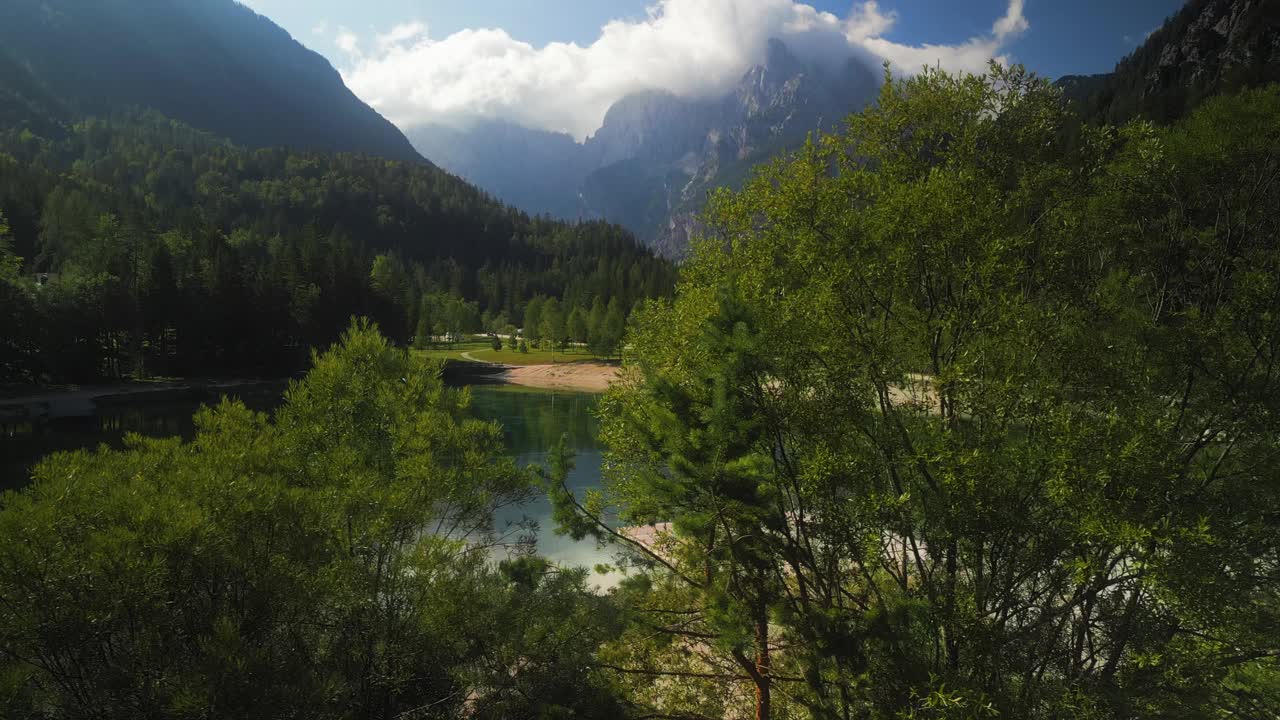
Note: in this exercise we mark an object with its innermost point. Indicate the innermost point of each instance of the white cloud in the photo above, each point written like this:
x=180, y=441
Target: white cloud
x=401, y=34
x=1013, y=23
x=320, y=28
x=693, y=48
x=348, y=43
x=972, y=55
x=867, y=21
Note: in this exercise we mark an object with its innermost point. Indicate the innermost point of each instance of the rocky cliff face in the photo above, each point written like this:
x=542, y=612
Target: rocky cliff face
x=656, y=155
x=1208, y=48
x=654, y=126
x=1223, y=37
x=772, y=110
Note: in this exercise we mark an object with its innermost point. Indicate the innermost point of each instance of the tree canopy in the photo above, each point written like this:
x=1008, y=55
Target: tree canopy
x=957, y=415
x=969, y=411
x=337, y=560
x=149, y=247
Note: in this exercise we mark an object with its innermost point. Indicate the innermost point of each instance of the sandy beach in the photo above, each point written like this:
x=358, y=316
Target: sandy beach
x=581, y=376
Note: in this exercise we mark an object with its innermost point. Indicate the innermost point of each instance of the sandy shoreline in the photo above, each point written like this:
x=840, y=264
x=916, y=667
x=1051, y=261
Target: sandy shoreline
x=580, y=376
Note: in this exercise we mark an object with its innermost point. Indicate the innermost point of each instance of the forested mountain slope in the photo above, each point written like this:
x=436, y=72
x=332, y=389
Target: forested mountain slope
x=1208, y=48
x=138, y=244
x=185, y=189
x=213, y=64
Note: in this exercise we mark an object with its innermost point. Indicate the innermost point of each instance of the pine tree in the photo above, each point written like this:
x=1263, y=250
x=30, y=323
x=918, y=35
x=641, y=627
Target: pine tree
x=576, y=326
x=552, y=330
x=596, y=327
x=533, y=320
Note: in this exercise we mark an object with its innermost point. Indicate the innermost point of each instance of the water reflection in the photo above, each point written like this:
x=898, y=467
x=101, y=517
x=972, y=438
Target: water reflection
x=533, y=422
x=82, y=425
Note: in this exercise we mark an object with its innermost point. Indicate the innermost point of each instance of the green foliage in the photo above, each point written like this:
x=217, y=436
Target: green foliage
x=576, y=326
x=187, y=255
x=331, y=562
x=606, y=328
x=10, y=264
x=969, y=412
x=943, y=704
x=954, y=416
x=533, y=320
x=552, y=330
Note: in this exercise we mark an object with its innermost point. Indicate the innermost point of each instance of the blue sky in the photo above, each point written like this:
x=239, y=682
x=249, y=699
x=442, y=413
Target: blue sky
x=1065, y=37
x=560, y=64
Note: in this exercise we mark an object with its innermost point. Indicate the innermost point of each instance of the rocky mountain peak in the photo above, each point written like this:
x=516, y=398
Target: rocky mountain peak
x=771, y=83
x=656, y=125
x=656, y=154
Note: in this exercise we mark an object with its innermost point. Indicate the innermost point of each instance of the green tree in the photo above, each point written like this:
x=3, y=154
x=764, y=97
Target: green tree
x=10, y=263
x=533, y=320
x=971, y=419
x=497, y=323
x=595, y=325
x=576, y=328
x=17, y=305
x=390, y=283
x=613, y=329
x=332, y=562
x=422, y=335
x=552, y=330
x=270, y=253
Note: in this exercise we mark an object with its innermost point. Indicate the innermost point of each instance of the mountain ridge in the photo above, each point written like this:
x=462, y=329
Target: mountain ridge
x=216, y=65
x=1207, y=48
x=656, y=154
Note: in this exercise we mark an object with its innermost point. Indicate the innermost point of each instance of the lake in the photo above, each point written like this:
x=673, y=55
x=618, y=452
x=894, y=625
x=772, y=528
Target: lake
x=533, y=421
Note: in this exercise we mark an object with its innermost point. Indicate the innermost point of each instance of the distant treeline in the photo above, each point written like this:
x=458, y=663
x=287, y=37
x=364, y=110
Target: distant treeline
x=137, y=245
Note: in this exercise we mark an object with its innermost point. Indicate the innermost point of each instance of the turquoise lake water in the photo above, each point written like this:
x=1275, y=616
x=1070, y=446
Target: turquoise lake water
x=533, y=421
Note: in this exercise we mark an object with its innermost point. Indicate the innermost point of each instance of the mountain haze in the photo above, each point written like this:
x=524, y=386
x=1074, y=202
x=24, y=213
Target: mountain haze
x=213, y=64
x=656, y=154
x=534, y=170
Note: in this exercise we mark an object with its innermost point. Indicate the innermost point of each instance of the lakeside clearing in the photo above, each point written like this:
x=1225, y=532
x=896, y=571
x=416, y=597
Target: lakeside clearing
x=482, y=351
x=575, y=369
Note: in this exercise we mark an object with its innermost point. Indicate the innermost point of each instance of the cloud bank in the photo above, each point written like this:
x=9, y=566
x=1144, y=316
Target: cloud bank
x=693, y=48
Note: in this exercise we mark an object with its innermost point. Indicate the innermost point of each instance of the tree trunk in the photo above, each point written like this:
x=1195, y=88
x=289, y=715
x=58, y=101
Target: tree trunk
x=763, y=682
